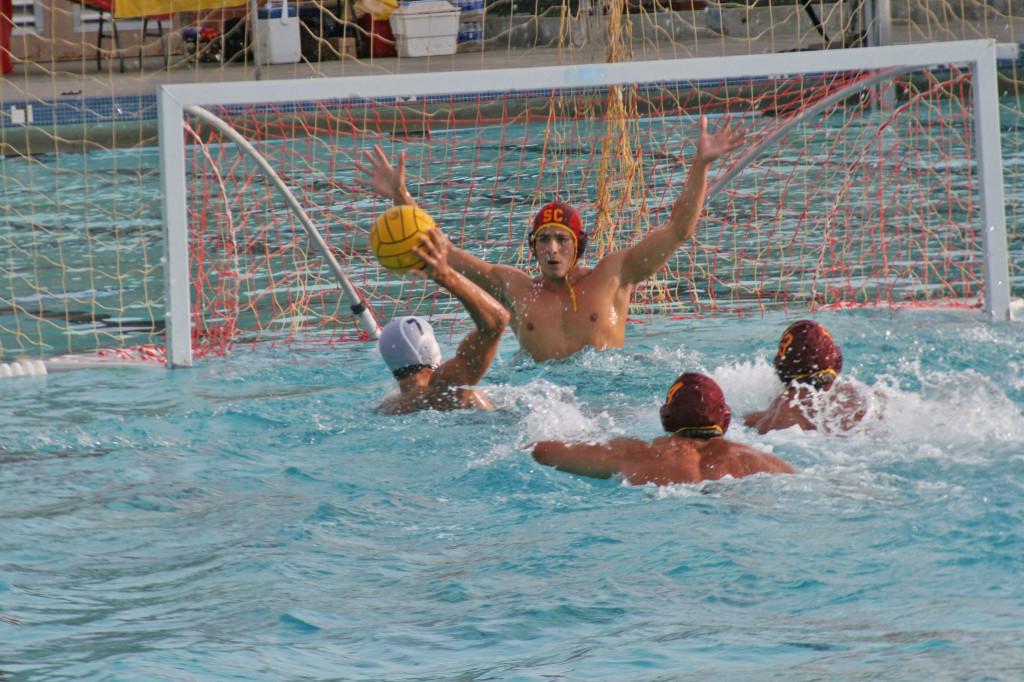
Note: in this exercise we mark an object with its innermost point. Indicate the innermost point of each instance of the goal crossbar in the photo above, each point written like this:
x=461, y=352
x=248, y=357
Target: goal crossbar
x=978, y=56
x=590, y=75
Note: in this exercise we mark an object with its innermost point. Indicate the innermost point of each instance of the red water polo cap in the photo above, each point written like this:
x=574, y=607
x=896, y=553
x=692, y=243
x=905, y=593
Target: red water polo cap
x=695, y=407
x=807, y=354
x=561, y=214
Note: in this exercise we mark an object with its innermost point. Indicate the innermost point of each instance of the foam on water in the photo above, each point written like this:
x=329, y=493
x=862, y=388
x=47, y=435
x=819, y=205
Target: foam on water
x=255, y=518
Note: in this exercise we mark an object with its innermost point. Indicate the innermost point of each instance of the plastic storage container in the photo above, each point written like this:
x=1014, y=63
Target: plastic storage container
x=425, y=28
x=471, y=20
x=278, y=26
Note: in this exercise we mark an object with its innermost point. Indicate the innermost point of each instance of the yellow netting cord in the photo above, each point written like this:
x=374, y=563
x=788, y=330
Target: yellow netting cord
x=620, y=202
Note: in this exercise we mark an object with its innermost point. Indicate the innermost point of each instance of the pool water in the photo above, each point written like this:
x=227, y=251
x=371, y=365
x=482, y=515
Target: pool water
x=253, y=518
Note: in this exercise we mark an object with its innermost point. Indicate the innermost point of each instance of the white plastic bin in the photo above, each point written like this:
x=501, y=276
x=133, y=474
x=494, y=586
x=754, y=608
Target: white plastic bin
x=278, y=27
x=425, y=28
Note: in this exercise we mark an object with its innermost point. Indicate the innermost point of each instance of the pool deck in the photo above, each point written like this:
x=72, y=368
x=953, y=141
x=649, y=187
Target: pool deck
x=53, y=81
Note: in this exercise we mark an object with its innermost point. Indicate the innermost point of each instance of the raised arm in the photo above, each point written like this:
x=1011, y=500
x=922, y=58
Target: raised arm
x=388, y=181
x=650, y=254
x=477, y=350
x=383, y=178
x=496, y=280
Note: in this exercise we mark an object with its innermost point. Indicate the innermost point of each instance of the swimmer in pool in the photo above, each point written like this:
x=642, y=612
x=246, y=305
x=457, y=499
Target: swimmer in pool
x=696, y=415
x=808, y=363
x=570, y=306
x=410, y=350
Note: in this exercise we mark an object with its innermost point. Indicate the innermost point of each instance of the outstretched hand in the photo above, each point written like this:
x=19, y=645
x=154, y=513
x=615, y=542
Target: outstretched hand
x=711, y=146
x=433, y=250
x=381, y=176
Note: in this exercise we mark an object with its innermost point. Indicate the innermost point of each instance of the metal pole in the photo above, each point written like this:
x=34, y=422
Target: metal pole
x=254, y=26
x=989, y=158
x=360, y=309
x=878, y=25
x=177, y=289
x=883, y=22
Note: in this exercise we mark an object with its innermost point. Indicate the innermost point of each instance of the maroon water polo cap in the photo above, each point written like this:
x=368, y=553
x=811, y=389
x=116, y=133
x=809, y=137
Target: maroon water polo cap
x=561, y=214
x=808, y=354
x=695, y=407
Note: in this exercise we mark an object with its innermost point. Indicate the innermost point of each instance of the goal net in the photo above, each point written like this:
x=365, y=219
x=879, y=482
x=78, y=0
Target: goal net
x=866, y=180
x=81, y=245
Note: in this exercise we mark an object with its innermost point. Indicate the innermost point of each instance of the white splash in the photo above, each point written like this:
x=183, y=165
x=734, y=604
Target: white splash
x=911, y=413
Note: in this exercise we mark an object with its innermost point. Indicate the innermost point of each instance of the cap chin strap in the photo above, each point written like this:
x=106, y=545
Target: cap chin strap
x=699, y=431
x=572, y=292
x=822, y=376
x=408, y=371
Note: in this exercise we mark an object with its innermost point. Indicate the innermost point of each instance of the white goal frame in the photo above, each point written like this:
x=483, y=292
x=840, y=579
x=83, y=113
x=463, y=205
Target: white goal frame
x=977, y=55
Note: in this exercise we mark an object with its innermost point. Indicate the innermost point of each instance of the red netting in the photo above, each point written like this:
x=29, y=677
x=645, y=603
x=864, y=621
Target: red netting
x=869, y=201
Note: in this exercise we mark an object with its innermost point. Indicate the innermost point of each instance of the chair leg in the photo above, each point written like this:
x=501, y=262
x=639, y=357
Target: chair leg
x=163, y=42
x=117, y=41
x=100, y=35
x=159, y=34
x=99, y=44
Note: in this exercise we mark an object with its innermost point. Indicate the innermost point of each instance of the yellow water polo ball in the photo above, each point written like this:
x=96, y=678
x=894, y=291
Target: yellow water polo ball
x=394, y=235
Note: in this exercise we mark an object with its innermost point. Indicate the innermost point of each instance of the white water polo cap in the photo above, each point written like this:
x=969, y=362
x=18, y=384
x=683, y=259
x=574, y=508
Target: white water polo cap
x=408, y=342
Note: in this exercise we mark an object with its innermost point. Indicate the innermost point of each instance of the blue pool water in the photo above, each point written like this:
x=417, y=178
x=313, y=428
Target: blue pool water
x=254, y=519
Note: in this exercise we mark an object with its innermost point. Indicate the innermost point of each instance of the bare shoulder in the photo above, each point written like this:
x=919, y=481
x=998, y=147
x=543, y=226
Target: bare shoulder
x=788, y=410
x=630, y=446
x=511, y=276
x=850, y=393
x=610, y=265
x=605, y=276
x=679, y=450
x=759, y=461
x=672, y=444
x=723, y=457
x=444, y=397
x=851, y=403
x=665, y=461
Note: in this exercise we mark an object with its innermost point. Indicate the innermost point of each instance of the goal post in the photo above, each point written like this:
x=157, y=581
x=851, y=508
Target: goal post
x=177, y=282
x=990, y=173
x=488, y=146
